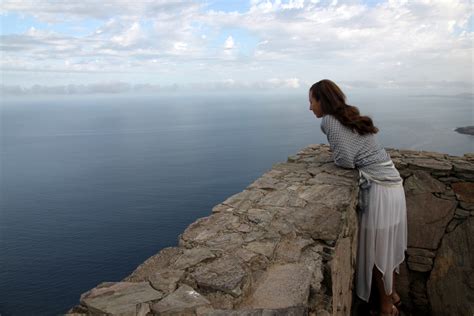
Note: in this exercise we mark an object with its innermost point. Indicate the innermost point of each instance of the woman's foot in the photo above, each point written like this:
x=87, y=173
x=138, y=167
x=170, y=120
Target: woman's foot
x=389, y=311
x=396, y=299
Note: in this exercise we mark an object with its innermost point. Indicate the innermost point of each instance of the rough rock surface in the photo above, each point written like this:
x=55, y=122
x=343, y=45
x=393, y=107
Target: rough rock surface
x=268, y=250
x=428, y=217
x=286, y=245
x=120, y=298
x=464, y=191
x=281, y=286
x=451, y=283
x=184, y=301
x=435, y=278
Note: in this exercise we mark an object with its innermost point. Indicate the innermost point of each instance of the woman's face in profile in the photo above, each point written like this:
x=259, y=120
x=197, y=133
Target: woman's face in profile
x=315, y=106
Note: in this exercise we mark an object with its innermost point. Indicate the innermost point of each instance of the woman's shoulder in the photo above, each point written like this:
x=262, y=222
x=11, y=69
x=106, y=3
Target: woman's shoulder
x=330, y=124
x=330, y=120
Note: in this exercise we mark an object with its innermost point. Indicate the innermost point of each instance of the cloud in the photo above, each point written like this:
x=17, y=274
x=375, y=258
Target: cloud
x=131, y=36
x=287, y=83
x=54, y=11
x=229, y=43
x=388, y=44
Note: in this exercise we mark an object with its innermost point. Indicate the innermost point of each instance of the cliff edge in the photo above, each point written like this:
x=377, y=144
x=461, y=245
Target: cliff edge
x=287, y=244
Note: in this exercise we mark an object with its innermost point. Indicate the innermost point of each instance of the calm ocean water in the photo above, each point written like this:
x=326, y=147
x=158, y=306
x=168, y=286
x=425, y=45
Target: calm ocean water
x=92, y=186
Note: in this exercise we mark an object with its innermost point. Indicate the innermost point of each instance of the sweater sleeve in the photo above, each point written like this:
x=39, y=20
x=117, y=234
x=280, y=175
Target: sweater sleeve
x=343, y=149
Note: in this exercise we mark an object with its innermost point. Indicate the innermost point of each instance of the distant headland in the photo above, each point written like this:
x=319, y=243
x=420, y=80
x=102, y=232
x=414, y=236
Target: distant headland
x=469, y=130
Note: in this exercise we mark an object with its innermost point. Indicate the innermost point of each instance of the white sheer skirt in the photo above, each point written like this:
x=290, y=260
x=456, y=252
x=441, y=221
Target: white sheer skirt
x=382, y=237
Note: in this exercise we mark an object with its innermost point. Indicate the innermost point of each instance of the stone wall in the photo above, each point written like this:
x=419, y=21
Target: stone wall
x=437, y=277
x=286, y=245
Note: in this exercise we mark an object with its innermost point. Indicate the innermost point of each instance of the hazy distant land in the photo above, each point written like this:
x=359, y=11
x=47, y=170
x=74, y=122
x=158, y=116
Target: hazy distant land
x=465, y=130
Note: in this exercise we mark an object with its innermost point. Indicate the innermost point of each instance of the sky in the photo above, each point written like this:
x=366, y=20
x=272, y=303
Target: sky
x=112, y=46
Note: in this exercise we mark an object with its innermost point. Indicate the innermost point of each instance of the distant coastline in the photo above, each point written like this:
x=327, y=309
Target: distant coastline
x=469, y=130
x=465, y=95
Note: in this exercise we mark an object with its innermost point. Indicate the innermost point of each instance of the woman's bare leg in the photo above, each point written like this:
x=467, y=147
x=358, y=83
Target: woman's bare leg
x=395, y=296
x=386, y=305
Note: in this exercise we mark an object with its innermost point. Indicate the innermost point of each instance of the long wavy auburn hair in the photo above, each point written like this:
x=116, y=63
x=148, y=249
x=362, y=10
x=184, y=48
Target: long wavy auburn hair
x=333, y=101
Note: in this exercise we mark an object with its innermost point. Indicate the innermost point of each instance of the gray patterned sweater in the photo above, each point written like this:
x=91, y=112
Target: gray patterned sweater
x=364, y=152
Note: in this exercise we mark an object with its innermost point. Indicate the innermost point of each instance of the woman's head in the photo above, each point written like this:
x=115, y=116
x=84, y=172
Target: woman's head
x=325, y=97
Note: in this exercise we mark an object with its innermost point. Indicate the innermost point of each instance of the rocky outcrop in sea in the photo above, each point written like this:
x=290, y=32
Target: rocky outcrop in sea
x=469, y=130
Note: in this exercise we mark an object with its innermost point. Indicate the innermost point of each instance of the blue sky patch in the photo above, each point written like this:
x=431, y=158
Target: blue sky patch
x=228, y=5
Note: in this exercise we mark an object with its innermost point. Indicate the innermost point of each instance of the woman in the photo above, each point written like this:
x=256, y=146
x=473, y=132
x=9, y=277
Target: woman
x=382, y=208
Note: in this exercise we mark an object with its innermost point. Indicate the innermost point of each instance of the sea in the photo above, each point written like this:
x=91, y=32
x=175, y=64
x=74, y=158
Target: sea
x=91, y=186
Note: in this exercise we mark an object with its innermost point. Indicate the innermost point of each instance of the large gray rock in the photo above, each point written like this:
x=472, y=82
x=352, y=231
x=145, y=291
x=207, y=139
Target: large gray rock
x=421, y=154
x=245, y=254
x=161, y=260
x=268, y=181
x=260, y=217
x=290, y=311
x=329, y=195
x=331, y=179
x=331, y=168
x=184, y=301
x=463, y=167
x=419, y=267
x=245, y=198
x=276, y=198
x=429, y=164
x=119, y=298
x=265, y=248
x=225, y=241
x=282, y=286
x=422, y=182
x=421, y=252
x=207, y=227
x=224, y=274
x=451, y=282
x=290, y=248
x=191, y=257
x=464, y=191
x=166, y=280
x=428, y=217
x=318, y=221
